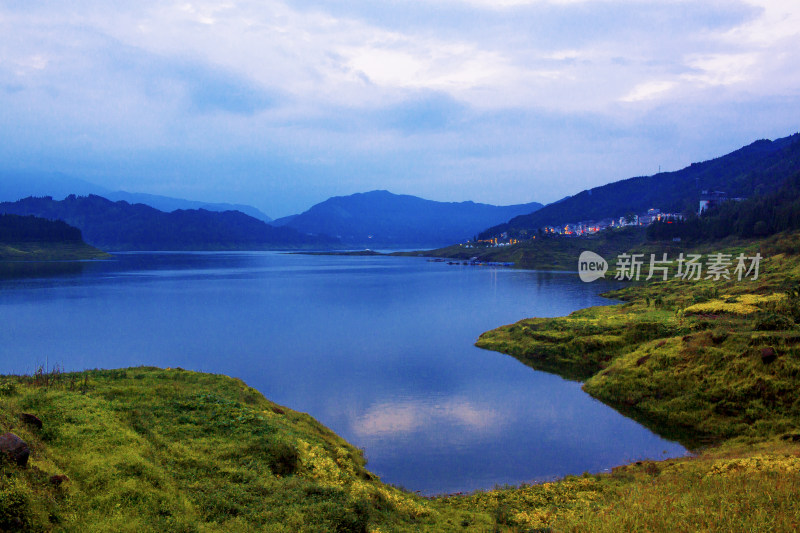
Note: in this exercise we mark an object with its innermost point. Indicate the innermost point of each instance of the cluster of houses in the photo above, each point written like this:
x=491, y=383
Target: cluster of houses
x=503, y=240
x=594, y=226
x=578, y=229
x=708, y=199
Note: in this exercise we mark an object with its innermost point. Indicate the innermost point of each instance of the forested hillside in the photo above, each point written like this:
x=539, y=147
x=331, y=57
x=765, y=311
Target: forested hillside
x=756, y=169
x=123, y=226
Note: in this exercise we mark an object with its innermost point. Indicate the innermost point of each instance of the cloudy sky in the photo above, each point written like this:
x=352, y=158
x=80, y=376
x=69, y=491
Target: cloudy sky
x=283, y=104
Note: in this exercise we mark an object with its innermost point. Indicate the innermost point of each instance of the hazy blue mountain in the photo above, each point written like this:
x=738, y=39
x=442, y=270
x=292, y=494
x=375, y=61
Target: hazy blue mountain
x=383, y=218
x=166, y=203
x=756, y=169
x=17, y=185
x=283, y=221
x=123, y=226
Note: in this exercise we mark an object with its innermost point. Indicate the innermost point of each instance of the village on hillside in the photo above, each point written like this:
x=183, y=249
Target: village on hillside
x=583, y=228
x=708, y=199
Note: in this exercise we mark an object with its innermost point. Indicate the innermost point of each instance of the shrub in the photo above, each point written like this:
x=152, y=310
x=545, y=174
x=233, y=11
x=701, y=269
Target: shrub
x=15, y=505
x=283, y=459
x=332, y=510
x=768, y=321
x=8, y=389
x=645, y=331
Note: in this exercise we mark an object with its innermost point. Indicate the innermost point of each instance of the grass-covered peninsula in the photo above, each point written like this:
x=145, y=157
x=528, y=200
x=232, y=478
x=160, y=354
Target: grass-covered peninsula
x=146, y=449
x=49, y=251
x=712, y=363
x=544, y=252
x=718, y=359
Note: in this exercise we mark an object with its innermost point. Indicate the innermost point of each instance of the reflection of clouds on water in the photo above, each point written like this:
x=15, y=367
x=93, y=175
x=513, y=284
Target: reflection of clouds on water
x=408, y=416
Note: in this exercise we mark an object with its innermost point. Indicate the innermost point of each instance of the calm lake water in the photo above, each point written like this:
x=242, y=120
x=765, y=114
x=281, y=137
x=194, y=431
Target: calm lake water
x=378, y=349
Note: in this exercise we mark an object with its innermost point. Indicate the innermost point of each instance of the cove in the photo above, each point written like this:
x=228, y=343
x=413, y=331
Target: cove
x=379, y=349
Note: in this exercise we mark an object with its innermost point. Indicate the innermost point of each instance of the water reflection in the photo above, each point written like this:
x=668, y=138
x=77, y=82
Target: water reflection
x=42, y=269
x=395, y=419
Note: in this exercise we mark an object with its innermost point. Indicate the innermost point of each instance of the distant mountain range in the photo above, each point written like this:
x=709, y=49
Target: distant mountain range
x=756, y=169
x=122, y=226
x=166, y=203
x=386, y=219
x=377, y=218
x=18, y=185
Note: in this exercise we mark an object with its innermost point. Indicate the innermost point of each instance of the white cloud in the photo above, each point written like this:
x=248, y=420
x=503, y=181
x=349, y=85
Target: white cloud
x=327, y=59
x=317, y=82
x=723, y=69
x=410, y=416
x=505, y=4
x=779, y=21
x=648, y=90
x=754, y=58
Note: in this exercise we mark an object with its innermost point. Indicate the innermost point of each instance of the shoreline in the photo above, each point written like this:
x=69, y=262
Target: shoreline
x=624, y=354
x=193, y=448
x=169, y=430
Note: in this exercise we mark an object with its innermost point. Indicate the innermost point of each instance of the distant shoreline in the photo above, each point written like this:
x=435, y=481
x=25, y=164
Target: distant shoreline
x=29, y=252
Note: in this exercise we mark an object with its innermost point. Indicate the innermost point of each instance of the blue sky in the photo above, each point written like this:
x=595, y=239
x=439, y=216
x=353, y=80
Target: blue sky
x=283, y=104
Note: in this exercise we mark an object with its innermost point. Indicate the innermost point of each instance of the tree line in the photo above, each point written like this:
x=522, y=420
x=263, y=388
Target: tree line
x=15, y=228
x=759, y=216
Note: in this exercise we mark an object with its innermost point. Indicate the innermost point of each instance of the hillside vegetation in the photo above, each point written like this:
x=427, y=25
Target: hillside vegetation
x=554, y=252
x=380, y=217
x=29, y=238
x=123, y=226
x=754, y=170
x=755, y=217
x=145, y=449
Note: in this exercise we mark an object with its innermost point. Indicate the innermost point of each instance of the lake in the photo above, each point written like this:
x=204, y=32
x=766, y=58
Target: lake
x=379, y=349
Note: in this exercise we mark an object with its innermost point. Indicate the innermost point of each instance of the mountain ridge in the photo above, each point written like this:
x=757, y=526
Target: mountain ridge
x=754, y=169
x=122, y=226
x=18, y=185
x=382, y=217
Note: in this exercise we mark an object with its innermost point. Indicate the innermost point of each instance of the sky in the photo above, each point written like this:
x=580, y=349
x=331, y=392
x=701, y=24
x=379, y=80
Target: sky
x=283, y=104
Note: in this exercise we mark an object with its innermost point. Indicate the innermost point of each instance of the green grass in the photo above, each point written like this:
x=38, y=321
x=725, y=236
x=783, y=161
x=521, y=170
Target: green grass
x=684, y=358
x=547, y=253
x=170, y=450
x=31, y=251
x=681, y=356
x=146, y=449
x=721, y=490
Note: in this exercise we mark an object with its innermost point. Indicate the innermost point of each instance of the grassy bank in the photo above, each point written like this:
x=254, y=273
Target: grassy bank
x=49, y=251
x=546, y=253
x=145, y=449
x=731, y=489
x=681, y=355
x=705, y=362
